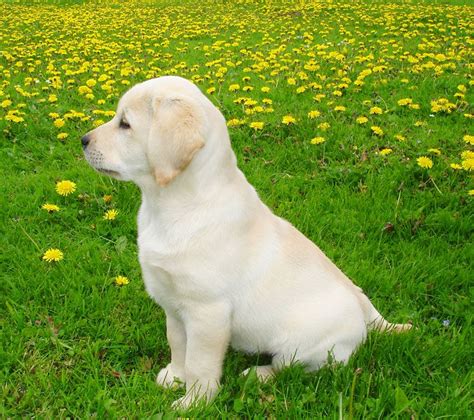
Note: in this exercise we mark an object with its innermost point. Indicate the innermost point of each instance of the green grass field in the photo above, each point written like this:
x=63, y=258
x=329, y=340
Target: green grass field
x=353, y=120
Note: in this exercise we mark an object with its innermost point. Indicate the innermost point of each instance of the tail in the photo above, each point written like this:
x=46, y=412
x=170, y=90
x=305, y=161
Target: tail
x=376, y=322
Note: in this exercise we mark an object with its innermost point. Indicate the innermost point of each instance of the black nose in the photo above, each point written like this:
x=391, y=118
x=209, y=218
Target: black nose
x=85, y=141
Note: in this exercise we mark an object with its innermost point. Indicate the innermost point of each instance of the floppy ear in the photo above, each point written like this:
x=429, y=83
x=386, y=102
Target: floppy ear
x=176, y=135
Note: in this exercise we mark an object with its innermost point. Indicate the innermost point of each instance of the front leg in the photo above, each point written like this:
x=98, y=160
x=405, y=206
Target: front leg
x=208, y=336
x=173, y=373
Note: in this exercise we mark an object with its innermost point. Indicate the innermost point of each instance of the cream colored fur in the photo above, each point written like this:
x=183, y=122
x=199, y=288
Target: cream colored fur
x=224, y=268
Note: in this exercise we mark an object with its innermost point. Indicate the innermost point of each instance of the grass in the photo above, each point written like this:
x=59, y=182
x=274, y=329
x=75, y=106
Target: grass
x=74, y=344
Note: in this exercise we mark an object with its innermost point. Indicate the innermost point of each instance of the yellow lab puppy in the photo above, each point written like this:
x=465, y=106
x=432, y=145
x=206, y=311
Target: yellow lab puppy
x=224, y=268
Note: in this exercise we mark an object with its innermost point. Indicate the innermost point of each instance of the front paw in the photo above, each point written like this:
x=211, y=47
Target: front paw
x=170, y=377
x=183, y=403
x=193, y=398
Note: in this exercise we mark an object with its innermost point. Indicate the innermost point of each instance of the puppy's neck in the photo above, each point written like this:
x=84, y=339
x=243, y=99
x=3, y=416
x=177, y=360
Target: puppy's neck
x=196, y=188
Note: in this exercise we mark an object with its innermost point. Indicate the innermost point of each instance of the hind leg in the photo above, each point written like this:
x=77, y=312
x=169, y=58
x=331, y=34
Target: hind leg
x=312, y=361
x=266, y=372
x=325, y=355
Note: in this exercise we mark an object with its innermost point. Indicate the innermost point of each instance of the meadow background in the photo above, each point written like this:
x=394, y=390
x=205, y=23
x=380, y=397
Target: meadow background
x=353, y=120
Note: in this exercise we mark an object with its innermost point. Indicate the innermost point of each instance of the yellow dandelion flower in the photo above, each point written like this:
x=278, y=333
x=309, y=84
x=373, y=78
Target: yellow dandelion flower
x=405, y=101
x=301, y=89
x=288, y=119
x=400, y=137
x=339, y=108
x=265, y=89
x=53, y=255
x=59, y=123
x=414, y=106
x=110, y=214
x=121, y=280
x=291, y=81
x=52, y=98
x=442, y=105
x=65, y=187
x=240, y=100
x=424, y=162
x=470, y=192
x=324, y=126
x=50, y=208
x=467, y=154
x=234, y=87
x=62, y=136
x=211, y=90
x=234, y=122
x=361, y=120
x=468, y=165
x=377, y=130
x=313, y=114
x=435, y=151
x=84, y=90
x=6, y=103
x=256, y=125
x=435, y=107
x=11, y=116
x=375, y=110
x=455, y=166
x=318, y=140
x=386, y=151
x=469, y=139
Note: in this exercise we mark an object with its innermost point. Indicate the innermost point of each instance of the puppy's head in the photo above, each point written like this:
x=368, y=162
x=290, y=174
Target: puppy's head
x=158, y=128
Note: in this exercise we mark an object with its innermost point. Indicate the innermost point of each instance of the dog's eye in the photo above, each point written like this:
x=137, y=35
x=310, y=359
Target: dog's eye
x=124, y=124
